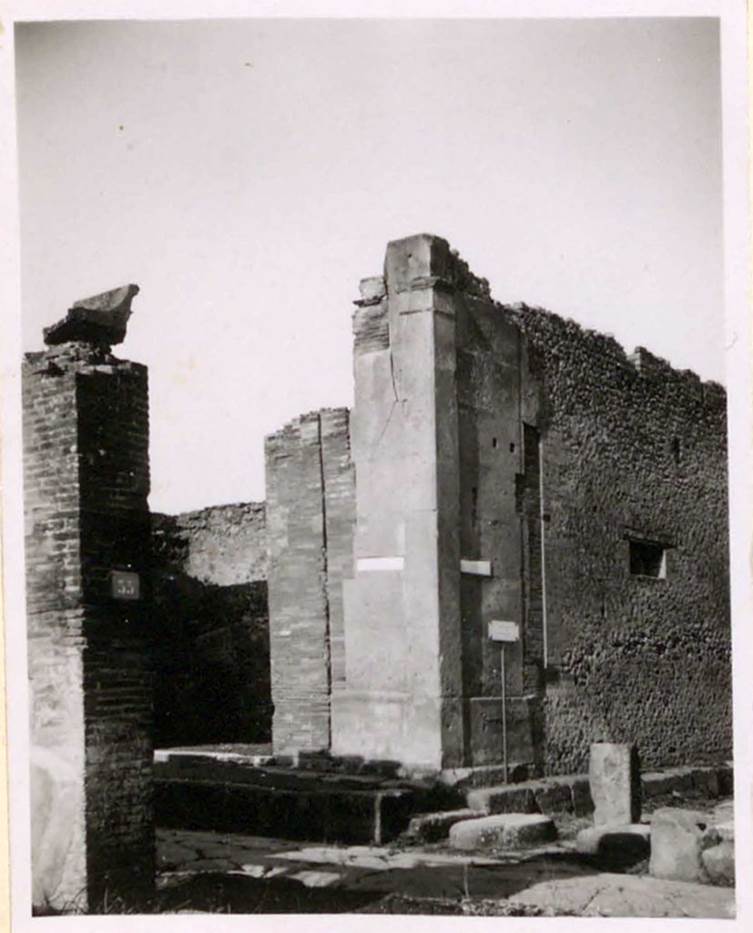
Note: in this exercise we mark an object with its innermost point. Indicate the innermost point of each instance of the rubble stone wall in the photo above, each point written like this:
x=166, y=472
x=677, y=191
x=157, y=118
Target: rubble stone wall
x=632, y=450
x=212, y=640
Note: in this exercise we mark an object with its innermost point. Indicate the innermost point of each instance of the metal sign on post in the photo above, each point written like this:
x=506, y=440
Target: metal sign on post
x=504, y=633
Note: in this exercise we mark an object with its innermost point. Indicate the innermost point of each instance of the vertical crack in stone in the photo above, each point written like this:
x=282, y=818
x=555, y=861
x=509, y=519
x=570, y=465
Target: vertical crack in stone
x=325, y=580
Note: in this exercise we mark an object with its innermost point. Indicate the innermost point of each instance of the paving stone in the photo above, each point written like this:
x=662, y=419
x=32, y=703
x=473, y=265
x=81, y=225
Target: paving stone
x=614, y=779
x=264, y=871
x=316, y=879
x=608, y=894
x=676, y=844
x=719, y=862
x=505, y=831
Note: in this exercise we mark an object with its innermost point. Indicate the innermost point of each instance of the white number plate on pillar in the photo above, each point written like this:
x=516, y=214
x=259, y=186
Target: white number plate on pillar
x=504, y=631
x=125, y=585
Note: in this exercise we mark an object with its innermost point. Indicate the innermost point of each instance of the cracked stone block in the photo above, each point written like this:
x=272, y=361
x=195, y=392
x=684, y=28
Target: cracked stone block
x=676, y=844
x=719, y=862
x=502, y=831
x=615, y=783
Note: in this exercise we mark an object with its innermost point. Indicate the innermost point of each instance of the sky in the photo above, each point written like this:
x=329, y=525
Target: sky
x=246, y=174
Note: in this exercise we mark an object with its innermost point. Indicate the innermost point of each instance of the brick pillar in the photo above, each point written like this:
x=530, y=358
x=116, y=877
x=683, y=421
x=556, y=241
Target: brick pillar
x=87, y=570
x=310, y=508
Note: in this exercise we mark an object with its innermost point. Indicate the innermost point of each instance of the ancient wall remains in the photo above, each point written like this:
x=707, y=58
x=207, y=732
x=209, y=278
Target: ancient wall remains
x=212, y=644
x=309, y=508
x=87, y=545
x=221, y=545
x=634, y=453
x=511, y=466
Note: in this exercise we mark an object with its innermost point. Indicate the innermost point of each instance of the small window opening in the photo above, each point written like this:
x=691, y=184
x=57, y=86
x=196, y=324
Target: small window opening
x=494, y=442
x=512, y=448
x=648, y=559
x=676, y=449
x=474, y=505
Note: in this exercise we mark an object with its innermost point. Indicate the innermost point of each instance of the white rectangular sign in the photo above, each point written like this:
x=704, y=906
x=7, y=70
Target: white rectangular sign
x=503, y=631
x=479, y=568
x=366, y=564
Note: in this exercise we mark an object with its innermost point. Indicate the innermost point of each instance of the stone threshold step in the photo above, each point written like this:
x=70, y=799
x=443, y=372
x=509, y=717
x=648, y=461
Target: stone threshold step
x=316, y=814
x=564, y=794
x=263, y=756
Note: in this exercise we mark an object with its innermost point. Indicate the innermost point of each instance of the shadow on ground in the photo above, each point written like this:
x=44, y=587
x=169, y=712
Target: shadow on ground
x=447, y=889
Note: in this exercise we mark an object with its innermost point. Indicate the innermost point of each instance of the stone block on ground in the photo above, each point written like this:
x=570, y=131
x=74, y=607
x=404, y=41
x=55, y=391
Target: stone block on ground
x=628, y=843
x=431, y=827
x=502, y=831
x=676, y=844
x=615, y=782
x=719, y=863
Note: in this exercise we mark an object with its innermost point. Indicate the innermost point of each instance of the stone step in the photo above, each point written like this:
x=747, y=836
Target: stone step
x=242, y=771
x=567, y=794
x=317, y=813
x=503, y=831
x=706, y=781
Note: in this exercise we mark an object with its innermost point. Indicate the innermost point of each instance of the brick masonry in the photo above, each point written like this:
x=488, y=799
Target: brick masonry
x=86, y=485
x=310, y=503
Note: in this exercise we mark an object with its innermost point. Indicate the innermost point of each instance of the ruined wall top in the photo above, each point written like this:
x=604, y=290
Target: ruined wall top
x=82, y=340
x=427, y=261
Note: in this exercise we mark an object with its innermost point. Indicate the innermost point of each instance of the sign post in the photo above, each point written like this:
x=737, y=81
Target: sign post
x=504, y=633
